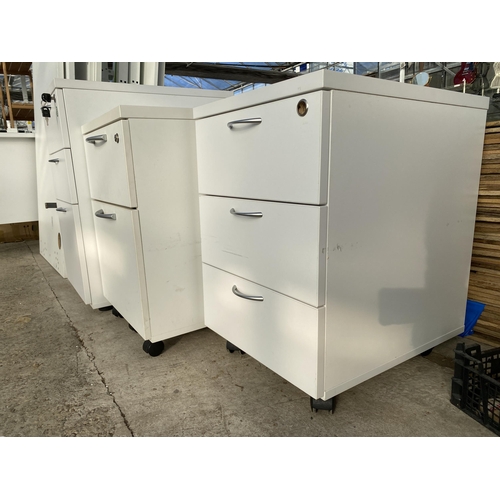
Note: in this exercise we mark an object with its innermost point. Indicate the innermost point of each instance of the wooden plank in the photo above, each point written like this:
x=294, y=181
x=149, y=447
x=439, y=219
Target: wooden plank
x=495, y=295
x=492, y=318
x=487, y=218
x=490, y=169
x=7, y=92
x=22, y=105
x=18, y=68
x=487, y=246
x=482, y=297
x=484, y=270
x=484, y=339
x=485, y=286
x=492, y=130
x=491, y=155
x=492, y=139
x=483, y=192
x=494, y=327
x=4, y=116
x=481, y=329
x=481, y=252
x=483, y=276
x=493, y=201
x=485, y=296
x=479, y=262
x=487, y=330
x=493, y=124
x=489, y=178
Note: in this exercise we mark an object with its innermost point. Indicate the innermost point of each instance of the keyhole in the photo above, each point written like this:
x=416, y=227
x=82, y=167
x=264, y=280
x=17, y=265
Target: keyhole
x=117, y=138
x=302, y=107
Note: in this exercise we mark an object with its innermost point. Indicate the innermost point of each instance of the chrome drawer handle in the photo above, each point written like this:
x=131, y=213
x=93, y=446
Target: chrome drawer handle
x=246, y=214
x=102, y=215
x=54, y=160
x=61, y=209
x=252, y=121
x=259, y=298
x=96, y=138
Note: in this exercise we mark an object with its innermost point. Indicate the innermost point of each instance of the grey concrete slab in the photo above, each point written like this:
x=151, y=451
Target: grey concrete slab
x=71, y=370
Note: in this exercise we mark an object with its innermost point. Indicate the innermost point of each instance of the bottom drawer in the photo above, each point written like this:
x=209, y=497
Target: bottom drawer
x=283, y=334
x=72, y=245
x=121, y=262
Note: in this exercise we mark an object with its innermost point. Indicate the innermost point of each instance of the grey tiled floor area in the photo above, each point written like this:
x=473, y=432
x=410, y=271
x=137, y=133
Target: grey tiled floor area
x=69, y=370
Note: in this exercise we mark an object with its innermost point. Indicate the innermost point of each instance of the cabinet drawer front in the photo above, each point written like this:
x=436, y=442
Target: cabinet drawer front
x=284, y=157
x=72, y=245
x=56, y=127
x=277, y=245
x=63, y=175
x=121, y=263
x=283, y=334
x=110, y=165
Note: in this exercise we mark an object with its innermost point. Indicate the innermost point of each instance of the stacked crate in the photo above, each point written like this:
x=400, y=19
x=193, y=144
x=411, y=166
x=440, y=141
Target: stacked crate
x=484, y=285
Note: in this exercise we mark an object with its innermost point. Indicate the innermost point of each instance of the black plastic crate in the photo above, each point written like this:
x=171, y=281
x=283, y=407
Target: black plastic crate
x=475, y=386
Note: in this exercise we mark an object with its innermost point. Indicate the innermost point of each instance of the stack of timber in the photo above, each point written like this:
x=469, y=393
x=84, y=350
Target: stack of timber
x=484, y=284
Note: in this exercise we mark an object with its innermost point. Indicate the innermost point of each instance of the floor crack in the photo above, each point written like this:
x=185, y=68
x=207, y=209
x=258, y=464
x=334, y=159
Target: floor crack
x=89, y=354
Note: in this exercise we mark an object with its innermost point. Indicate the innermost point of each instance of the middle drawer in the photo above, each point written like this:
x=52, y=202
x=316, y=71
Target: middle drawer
x=63, y=176
x=277, y=245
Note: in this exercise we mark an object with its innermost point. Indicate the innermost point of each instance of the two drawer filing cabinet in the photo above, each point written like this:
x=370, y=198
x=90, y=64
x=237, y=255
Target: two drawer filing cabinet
x=143, y=185
x=62, y=169
x=337, y=218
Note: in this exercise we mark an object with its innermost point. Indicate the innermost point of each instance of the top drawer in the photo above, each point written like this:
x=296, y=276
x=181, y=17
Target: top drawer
x=110, y=165
x=274, y=151
x=56, y=126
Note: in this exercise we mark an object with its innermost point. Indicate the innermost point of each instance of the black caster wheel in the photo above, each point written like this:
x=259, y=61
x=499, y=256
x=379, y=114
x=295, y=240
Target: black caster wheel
x=106, y=308
x=132, y=328
x=426, y=353
x=153, y=348
x=320, y=404
x=232, y=348
x=116, y=313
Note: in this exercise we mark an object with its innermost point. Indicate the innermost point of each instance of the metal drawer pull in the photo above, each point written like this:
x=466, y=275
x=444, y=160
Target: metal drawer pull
x=248, y=297
x=61, y=209
x=246, y=214
x=96, y=138
x=54, y=160
x=102, y=215
x=254, y=121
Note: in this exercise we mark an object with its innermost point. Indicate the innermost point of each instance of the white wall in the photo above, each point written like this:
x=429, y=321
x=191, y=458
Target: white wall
x=18, y=198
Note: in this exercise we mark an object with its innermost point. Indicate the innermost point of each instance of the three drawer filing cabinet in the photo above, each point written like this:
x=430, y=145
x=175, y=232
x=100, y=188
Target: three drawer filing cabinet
x=337, y=219
x=143, y=184
x=62, y=170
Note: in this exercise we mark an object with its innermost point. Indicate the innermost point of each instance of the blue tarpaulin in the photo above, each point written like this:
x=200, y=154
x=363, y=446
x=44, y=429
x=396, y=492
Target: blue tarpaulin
x=472, y=313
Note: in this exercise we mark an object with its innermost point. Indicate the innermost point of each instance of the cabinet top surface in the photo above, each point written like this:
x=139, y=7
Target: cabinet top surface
x=61, y=83
x=125, y=112
x=16, y=135
x=331, y=80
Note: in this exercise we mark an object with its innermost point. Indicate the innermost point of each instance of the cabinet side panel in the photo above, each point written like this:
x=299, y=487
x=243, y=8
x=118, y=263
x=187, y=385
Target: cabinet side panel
x=48, y=220
x=403, y=194
x=164, y=158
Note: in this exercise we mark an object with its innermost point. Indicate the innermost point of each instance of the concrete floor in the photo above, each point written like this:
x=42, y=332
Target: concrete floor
x=69, y=370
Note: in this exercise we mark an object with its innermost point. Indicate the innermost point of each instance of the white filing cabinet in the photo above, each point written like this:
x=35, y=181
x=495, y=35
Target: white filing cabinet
x=64, y=171
x=143, y=184
x=337, y=219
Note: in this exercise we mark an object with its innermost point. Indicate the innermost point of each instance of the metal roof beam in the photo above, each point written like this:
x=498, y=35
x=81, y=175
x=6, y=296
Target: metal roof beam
x=226, y=72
